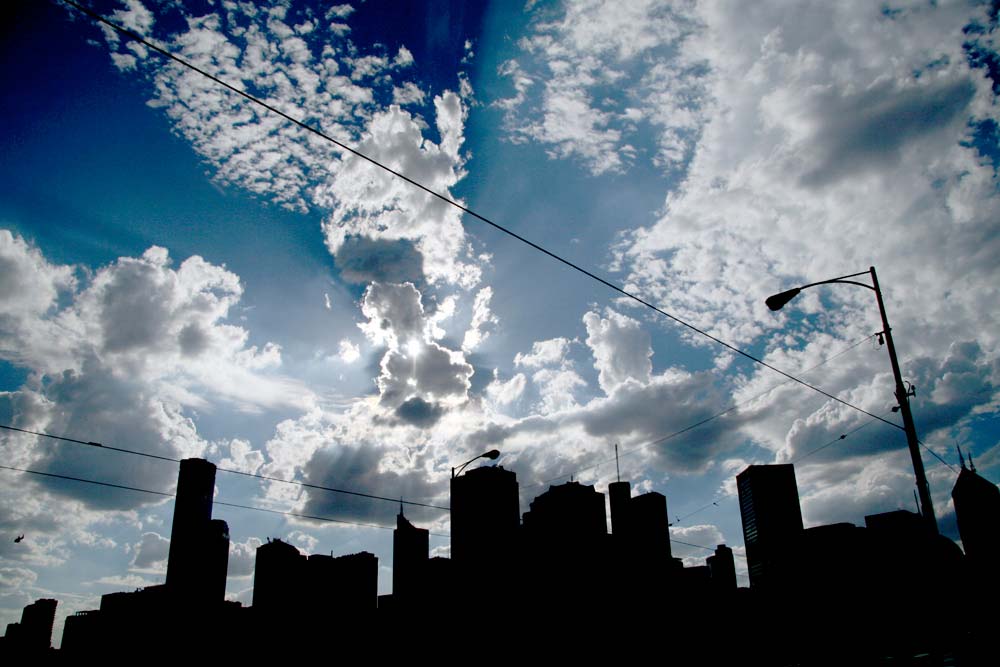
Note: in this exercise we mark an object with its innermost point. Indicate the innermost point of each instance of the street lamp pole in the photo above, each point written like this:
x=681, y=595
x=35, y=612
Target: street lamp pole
x=902, y=394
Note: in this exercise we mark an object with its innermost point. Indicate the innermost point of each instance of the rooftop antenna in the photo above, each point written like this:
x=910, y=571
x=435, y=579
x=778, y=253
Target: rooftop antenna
x=960, y=457
x=617, y=467
x=972, y=466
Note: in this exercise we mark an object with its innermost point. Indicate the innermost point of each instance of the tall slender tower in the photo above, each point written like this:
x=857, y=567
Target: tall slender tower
x=199, y=546
x=772, y=518
x=410, y=550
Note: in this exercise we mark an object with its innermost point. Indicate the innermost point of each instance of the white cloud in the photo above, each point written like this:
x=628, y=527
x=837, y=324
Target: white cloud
x=124, y=360
x=588, y=48
x=367, y=202
x=242, y=457
x=621, y=349
x=408, y=93
x=483, y=320
x=242, y=557
x=506, y=393
x=544, y=353
x=349, y=352
x=150, y=554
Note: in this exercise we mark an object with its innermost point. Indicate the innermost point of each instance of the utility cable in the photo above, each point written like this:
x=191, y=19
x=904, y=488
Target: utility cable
x=690, y=427
x=214, y=502
x=452, y=202
x=227, y=470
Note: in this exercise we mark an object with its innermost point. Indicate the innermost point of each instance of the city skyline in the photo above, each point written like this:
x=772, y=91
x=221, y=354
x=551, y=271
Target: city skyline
x=185, y=275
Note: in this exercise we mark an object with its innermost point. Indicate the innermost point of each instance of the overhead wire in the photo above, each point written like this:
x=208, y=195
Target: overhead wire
x=713, y=417
x=452, y=202
x=214, y=502
x=227, y=470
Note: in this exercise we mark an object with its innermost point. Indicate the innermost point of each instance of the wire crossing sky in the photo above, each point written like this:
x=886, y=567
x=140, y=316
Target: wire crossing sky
x=289, y=289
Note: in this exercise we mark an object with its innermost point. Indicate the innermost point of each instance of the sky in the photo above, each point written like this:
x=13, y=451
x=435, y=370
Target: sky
x=185, y=274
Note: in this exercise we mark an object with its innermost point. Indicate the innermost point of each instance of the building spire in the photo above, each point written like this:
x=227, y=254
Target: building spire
x=960, y=457
x=972, y=466
x=617, y=467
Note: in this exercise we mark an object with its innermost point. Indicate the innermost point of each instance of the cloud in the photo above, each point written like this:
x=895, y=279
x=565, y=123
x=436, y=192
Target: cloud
x=483, y=323
x=544, y=353
x=122, y=359
x=242, y=556
x=349, y=352
x=362, y=259
x=505, y=393
x=418, y=412
x=150, y=553
x=242, y=457
x=367, y=468
x=581, y=52
x=366, y=201
x=621, y=349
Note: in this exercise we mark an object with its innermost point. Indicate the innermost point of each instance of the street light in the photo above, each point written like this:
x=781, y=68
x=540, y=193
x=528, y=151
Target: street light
x=492, y=454
x=776, y=302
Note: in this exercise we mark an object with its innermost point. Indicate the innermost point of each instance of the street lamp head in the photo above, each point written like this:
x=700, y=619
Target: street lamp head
x=492, y=454
x=777, y=301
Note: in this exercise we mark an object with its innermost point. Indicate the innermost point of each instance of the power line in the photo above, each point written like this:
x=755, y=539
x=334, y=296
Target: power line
x=717, y=415
x=228, y=470
x=702, y=546
x=214, y=502
x=448, y=200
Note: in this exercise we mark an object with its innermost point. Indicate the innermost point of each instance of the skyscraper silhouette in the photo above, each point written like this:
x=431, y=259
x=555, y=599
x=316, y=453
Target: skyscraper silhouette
x=485, y=518
x=772, y=518
x=977, y=510
x=410, y=550
x=199, y=546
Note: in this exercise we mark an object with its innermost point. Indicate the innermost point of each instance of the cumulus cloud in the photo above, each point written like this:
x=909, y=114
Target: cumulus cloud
x=150, y=553
x=122, y=359
x=242, y=556
x=621, y=349
x=367, y=467
x=483, y=320
x=367, y=201
x=544, y=353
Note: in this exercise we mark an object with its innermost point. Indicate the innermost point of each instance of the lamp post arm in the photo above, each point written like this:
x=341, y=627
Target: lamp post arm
x=903, y=399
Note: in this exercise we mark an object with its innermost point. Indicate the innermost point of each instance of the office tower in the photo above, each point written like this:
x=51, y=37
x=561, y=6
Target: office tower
x=485, y=518
x=977, y=510
x=277, y=578
x=723, y=568
x=195, y=568
x=772, y=519
x=650, y=529
x=34, y=632
x=619, y=493
x=410, y=551
x=568, y=512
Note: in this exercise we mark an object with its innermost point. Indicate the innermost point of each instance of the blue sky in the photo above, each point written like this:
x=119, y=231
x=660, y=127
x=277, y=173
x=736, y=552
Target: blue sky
x=186, y=275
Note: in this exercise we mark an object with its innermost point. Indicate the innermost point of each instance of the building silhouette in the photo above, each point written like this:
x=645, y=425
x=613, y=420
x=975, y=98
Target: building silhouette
x=410, y=557
x=33, y=635
x=485, y=518
x=199, y=546
x=772, y=518
x=977, y=511
x=722, y=567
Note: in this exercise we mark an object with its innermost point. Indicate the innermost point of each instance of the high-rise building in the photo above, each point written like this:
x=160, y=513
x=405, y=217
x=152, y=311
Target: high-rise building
x=977, y=510
x=772, y=518
x=199, y=546
x=410, y=551
x=723, y=569
x=485, y=518
x=277, y=578
x=34, y=633
x=568, y=512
